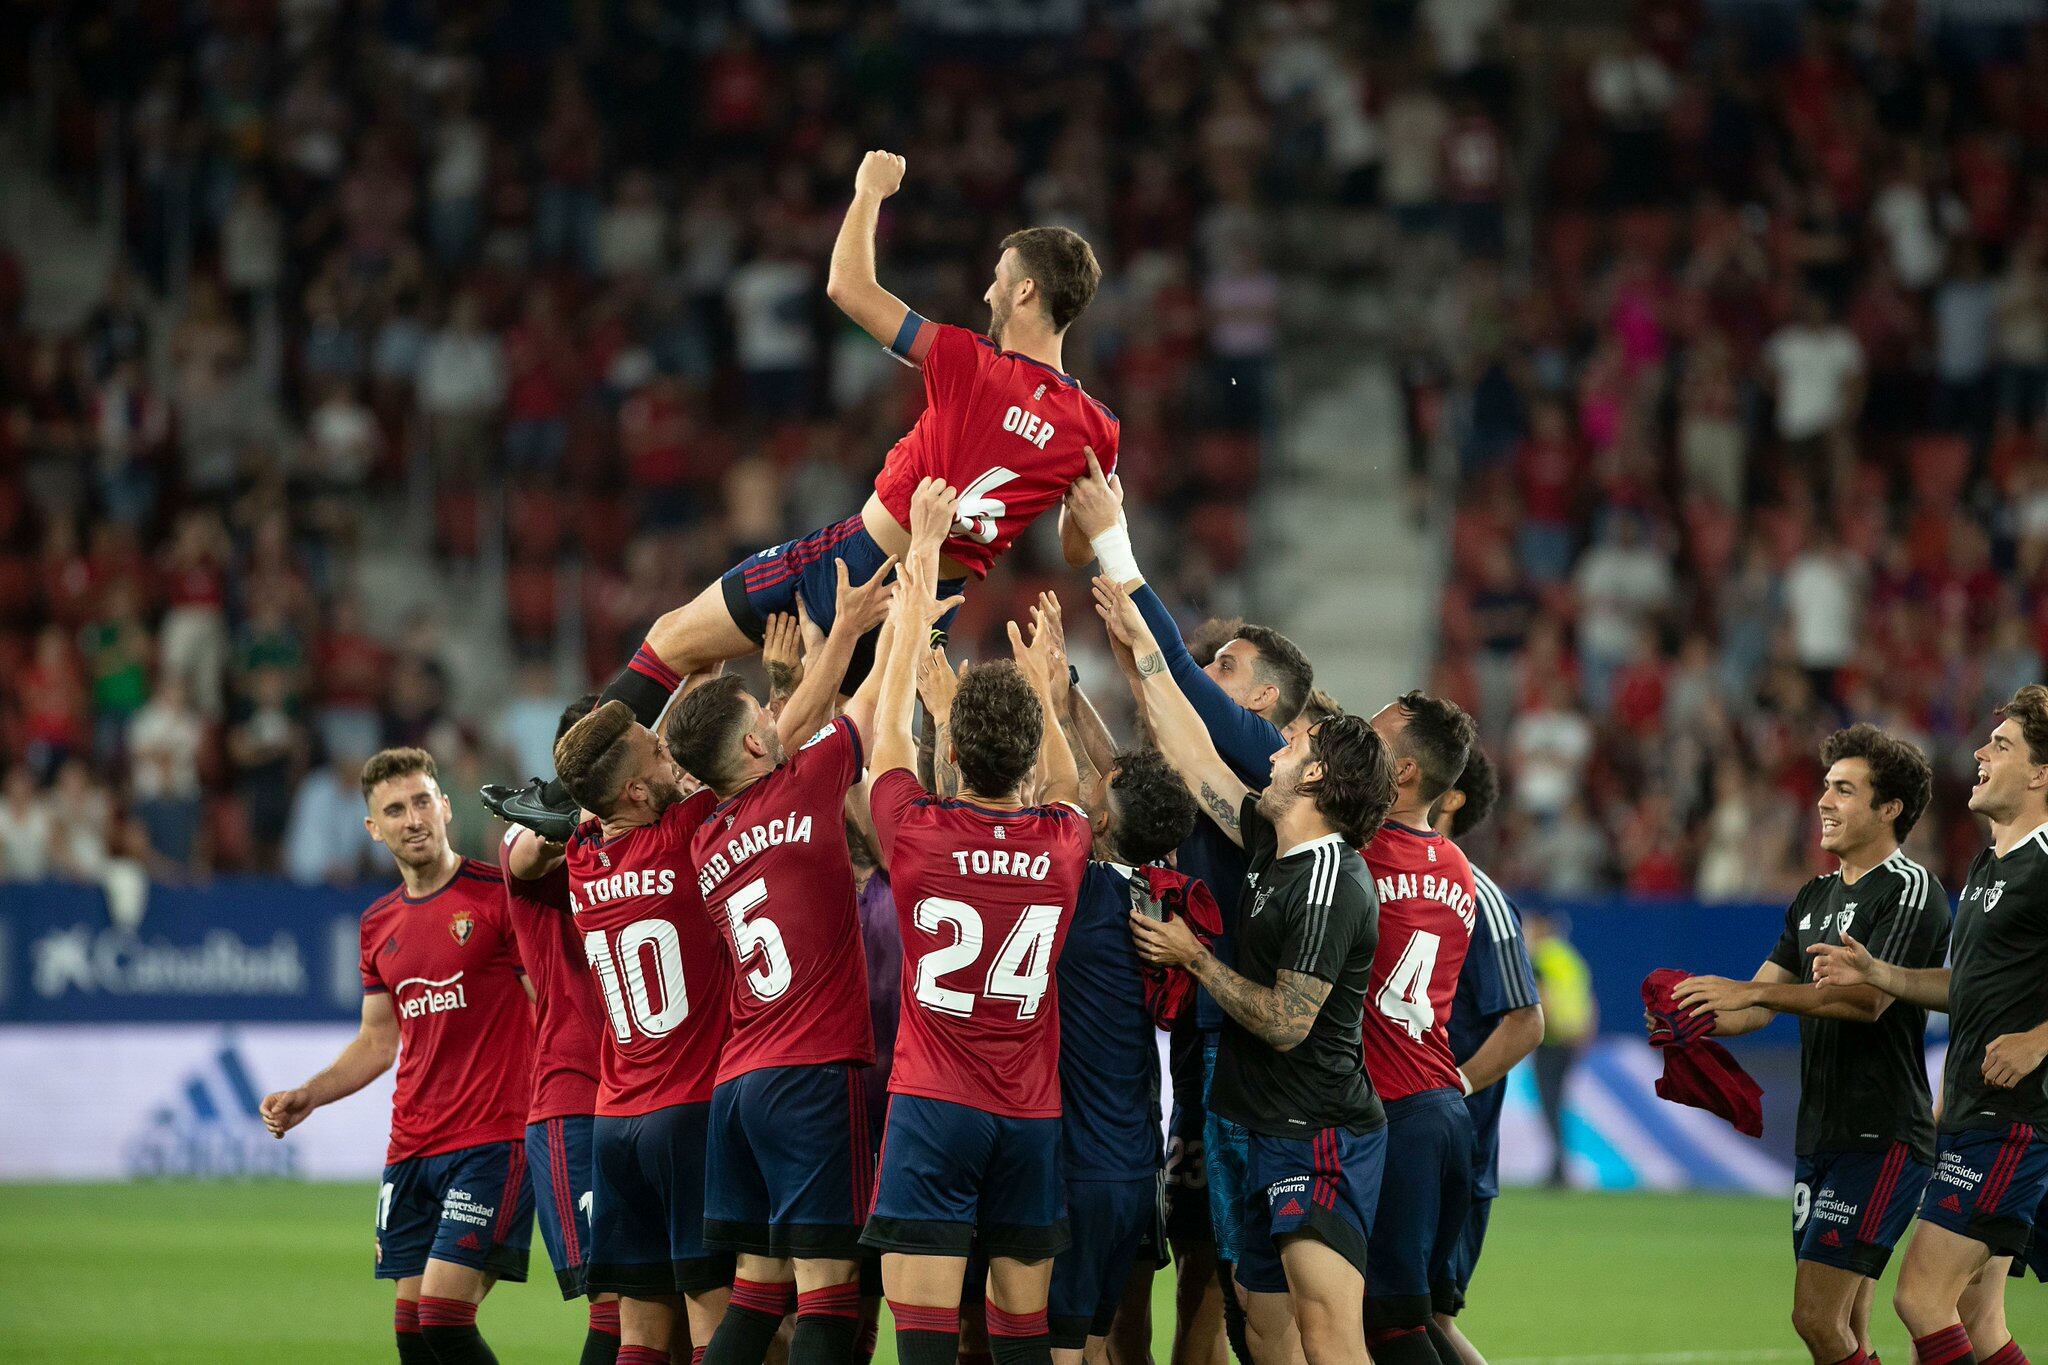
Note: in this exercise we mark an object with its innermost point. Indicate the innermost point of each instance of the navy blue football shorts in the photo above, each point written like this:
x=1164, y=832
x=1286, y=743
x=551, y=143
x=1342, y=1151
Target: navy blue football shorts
x=1987, y=1185
x=472, y=1207
x=954, y=1178
x=791, y=1172
x=1424, y=1196
x=1326, y=1186
x=1465, y=1254
x=1850, y=1208
x=558, y=1159
x=647, y=1211
x=1112, y=1223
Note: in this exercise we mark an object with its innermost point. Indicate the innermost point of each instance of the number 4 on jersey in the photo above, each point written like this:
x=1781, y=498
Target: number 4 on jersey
x=1405, y=997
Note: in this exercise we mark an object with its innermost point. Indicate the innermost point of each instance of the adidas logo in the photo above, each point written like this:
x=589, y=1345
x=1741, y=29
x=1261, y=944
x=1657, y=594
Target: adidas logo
x=1952, y=1204
x=1831, y=1238
x=469, y=1242
x=211, y=1125
x=1291, y=1209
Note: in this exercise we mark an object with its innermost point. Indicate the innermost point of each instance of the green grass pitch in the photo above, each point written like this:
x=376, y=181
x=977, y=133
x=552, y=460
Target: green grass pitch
x=210, y=1273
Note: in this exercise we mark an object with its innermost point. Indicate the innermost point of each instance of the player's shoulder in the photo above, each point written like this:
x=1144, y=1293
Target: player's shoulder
x=1498, y=918
x=385, y=904
x=1917, y=887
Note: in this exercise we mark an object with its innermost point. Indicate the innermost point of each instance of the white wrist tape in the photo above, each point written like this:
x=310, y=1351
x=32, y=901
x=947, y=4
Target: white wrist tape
x=1464, y=1081
x=1113, y=551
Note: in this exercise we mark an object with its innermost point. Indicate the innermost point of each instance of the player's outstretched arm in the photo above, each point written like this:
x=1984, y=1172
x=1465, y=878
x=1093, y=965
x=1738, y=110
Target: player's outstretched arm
x=530, y=857
x=1176, y=728
x=1059, y=779
x=937, y=682
x=858, y=610
x=368, y=1055
x=1849, y=963
x=1280, y=1014
x=914, y=611
x=852, y=284
x=782, y=657
x=1094, y=756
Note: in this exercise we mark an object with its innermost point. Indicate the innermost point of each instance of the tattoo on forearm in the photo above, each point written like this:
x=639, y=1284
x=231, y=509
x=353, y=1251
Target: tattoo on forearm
x=1220, y=807
x=1280, y=1015
x=1152, y=663
x=945, y=773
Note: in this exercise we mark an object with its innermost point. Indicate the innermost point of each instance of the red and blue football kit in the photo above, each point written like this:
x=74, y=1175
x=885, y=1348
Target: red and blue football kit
x=1005, y=430
x=791, y=1167
x=983, y=899
x=454, y=1183
x=1427, y=912
x=566, y=1022
x=662, y=978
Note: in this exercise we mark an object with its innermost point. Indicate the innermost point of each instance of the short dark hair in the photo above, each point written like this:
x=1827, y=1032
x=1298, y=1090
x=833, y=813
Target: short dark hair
x=573, y=712
x=1062, y=264
x=1481, y=786
x=389, y=763
x=997, y=722
x=591, y=756
x=705, y=727
x=1439, y=736
x=1319, y=707
x=2029, y=706
x=1155, y=811
x=1356, y=789
x=1898, y=771
x=1282, y=664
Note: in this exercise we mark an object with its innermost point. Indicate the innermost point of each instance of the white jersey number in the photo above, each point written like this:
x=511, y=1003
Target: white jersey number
x=622, y=979
x=976, y=515
x=758, y=938
x=1405, y=997
x=1018, y=974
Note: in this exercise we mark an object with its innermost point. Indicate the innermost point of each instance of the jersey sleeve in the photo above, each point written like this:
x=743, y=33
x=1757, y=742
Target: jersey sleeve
x=1313, y=943
x=890, y=799
x=949, y=356
x=832, y=754
x=1786, y=954
x=1247, y=742
x=1502, y=976
x=1907, y=928
x=373, y=984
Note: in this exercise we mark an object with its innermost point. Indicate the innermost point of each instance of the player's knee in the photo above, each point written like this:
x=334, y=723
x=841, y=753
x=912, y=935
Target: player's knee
x=1918, y=1302
x=1821, y=1326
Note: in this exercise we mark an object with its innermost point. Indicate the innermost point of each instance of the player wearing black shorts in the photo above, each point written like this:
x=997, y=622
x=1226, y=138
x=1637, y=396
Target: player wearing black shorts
x=1991, y=1149
x=1865, y=1142
x=1291, y=1066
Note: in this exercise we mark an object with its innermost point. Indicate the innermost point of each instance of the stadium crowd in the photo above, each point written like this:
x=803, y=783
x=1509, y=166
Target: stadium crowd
x=564, y=285
x=1743, y=401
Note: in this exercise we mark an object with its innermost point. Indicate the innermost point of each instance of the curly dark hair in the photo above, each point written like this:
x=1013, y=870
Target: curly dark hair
x=1481, y=786
x=1154, y=809
x=573, y=712
x=1282, y=664
x=2029, y=706
x=1356, y=789
x=1064, y=266
x=997, y=722
x=1898, y=771
x=704, y=730
x=1439, y=736
x=1204, y=640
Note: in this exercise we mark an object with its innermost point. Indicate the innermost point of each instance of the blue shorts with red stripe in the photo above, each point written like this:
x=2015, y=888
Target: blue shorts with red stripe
x=1849, y=1209
x=776, y=579
x=1325, y=1186
x=954, y=1179
x=1425, y=1193
x=1987, y=1185
x=558, y=1158
x=790, y=1171
x=647, y=1214
x=472, y=1207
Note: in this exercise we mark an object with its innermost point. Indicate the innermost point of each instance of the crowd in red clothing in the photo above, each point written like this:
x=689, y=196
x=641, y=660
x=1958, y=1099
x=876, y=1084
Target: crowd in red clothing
x=543, y=293
x=1748, y=435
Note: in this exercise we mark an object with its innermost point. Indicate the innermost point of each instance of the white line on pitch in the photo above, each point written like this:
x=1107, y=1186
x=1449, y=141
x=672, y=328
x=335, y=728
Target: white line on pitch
x=1660, y=1358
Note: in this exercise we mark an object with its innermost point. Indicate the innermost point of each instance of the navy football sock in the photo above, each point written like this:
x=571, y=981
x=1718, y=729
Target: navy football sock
x=1441, y=1340
x=601, y=1342
x=827, y=1325
x=926, y=1336
x=645, y=684
x=449, y=1325
x=1402, y=1346
x=752, y=1316
x=412, y=1347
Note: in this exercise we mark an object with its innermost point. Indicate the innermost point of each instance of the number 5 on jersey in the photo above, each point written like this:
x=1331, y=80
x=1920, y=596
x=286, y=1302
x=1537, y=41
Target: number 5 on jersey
x=1018, y=973
x=758, y=938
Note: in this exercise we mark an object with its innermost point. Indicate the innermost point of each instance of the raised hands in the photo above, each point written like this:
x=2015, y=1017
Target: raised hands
x=937, y=682
x=782, y=653
x=1096, y=504
x=880, y=174
x=859, y=610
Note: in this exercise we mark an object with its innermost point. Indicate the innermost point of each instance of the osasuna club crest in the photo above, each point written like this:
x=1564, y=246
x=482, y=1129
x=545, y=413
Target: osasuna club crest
x=462, y=924
x=1991, y=895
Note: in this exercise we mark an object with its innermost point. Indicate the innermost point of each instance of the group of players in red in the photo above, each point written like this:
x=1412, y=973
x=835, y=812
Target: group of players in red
x=684, y=1098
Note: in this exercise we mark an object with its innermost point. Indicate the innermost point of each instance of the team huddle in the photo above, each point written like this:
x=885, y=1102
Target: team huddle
x=656, y=1021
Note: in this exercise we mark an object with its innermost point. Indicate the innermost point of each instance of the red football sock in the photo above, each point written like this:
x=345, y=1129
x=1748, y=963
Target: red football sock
x=697, y=1354
x=1949, y=1346
x=642, y=1355
x=1857, y=1357
x=412, y=1347
x=1018, y=1338
x=2008, y=1354
x=604, y=1317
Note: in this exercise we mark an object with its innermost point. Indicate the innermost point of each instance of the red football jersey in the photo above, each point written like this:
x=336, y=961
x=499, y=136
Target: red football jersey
x=465, y=1027
x=566, y=1015
x=662, y=975
x=1005, y=430
x=1427, y=910
x=984, y=900
x=773, y=868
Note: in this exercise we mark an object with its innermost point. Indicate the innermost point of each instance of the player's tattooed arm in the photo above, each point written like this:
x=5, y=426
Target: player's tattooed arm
x=1280, y=1014
x=937, y=682
x=1176, y=726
